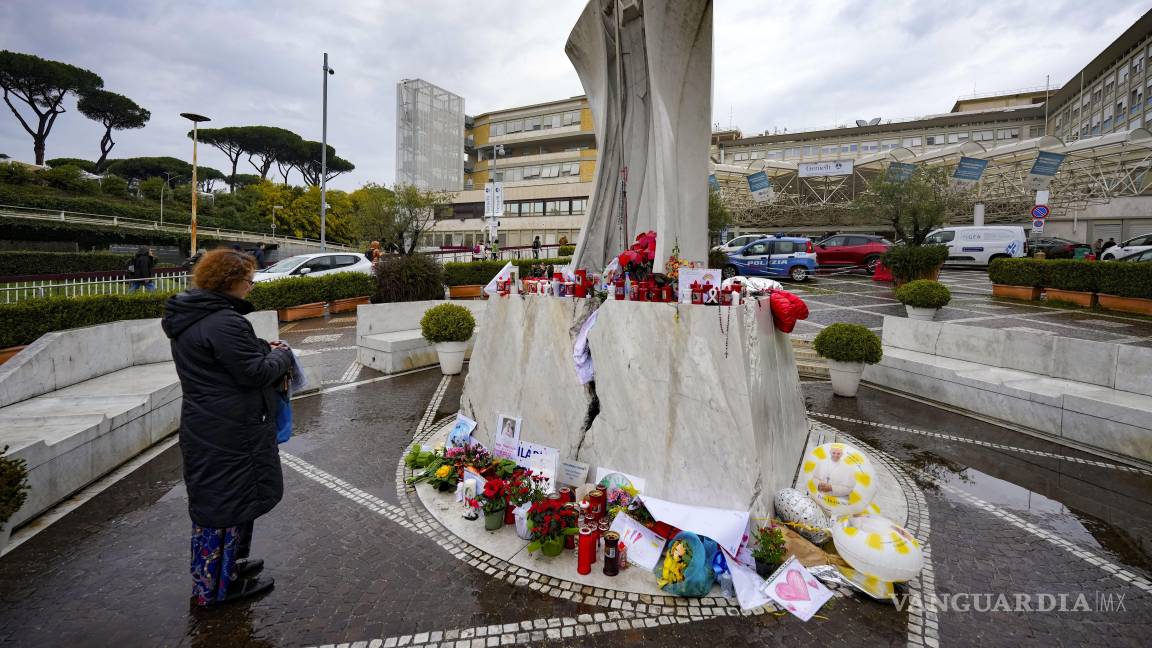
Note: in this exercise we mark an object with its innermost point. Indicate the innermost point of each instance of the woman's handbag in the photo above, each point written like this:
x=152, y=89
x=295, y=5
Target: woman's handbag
x=283, y=417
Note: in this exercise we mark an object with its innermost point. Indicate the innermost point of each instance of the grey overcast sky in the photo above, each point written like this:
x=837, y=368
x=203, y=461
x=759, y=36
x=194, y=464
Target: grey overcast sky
x=781, y=64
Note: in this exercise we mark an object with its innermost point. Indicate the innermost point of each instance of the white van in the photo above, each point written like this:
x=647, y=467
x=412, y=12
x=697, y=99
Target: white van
x=978, y=245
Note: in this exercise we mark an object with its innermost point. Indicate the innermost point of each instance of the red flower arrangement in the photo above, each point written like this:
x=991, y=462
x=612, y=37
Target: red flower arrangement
x=524, y=487
x=495, y=495
x=550, y=521
x=637, y=260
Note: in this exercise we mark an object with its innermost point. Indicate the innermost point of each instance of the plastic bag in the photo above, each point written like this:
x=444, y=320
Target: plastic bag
x=283, y=417
x=521, y=515
x=687, y=566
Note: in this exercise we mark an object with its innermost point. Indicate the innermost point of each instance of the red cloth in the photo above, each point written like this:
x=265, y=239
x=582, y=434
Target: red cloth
x=882, y=273
x=787, y=309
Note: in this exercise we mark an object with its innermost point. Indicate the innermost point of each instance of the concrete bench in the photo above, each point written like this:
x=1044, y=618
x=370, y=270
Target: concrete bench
x=76, y=404
x=1090, y=394
x=389, y=338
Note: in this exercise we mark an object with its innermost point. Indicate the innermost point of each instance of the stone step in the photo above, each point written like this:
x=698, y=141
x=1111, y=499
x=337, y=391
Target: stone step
x=807, y=354
x=811, y=369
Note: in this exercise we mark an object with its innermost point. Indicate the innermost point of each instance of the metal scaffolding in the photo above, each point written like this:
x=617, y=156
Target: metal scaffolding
x=429, y=136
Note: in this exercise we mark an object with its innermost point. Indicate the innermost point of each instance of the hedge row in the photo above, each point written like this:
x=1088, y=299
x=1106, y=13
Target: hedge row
x=25, y=321
x=294, y=291
x=471, y=273
x=32, y=263
x=88, y=236
x=1125, y=279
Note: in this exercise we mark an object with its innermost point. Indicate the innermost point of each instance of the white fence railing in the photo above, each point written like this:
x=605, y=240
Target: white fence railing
x=82, y=287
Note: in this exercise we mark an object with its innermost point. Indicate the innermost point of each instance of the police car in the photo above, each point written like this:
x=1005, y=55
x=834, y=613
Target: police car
x=773, y=256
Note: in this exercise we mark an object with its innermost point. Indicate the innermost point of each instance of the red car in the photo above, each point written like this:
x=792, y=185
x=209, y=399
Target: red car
x=852, y=250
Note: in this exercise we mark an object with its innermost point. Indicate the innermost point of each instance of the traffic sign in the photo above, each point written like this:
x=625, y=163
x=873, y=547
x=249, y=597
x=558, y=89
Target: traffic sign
x=1040, y=211
x=1037, y=225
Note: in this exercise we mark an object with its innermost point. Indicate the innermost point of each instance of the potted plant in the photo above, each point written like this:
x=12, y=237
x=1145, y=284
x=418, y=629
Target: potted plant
x=347, y=290
x=1017, y=278
x=912, y=262
x=848, y=347
x=769, y=551
x=549, y=522
x=449, y=327
x=494, y=502
x=923, y=298
x=523, y=491
x=1126, y=286
x=1073, y=281
x=13, y=491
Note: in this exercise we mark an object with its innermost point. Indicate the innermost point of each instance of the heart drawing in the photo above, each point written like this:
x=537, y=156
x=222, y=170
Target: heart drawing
x=794, y=588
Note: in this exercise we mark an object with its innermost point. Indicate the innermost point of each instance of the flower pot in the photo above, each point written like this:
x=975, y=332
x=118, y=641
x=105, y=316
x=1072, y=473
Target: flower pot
x=1126, y=304
x=494, y=520
x=347, y=305
x=922, y=314
x=451, y=355
x=1080, y=298
x=303, y=311
x=552, y=548
x=9, y=353
x=466, y=292
x=521, y=513
x=764, y=570
x=1016, y=292
x=845, y=377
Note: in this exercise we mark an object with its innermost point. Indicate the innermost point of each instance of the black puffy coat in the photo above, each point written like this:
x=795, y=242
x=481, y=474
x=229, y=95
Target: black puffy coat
x=228, y=421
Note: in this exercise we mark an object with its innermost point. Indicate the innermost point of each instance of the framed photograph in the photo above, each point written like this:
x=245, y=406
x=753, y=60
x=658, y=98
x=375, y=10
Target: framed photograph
x=506, y=440
x=461, y=432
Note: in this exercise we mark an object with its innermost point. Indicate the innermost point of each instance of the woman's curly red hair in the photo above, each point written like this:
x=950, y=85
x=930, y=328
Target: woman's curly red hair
x=220, y=270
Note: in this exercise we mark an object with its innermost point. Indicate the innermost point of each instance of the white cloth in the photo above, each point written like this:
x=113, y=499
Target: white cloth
x=581, y=354
x=754, y=284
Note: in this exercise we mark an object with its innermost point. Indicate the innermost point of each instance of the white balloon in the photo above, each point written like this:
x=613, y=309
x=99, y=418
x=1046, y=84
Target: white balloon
x=877, y=546
x=839, y=477
x=794, y=506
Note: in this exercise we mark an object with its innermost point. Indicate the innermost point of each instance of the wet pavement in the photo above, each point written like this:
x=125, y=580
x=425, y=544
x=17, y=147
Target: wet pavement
x=1010, y=514
x=857, y=299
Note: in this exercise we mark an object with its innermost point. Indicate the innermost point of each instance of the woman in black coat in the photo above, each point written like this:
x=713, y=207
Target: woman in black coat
x=228, y=422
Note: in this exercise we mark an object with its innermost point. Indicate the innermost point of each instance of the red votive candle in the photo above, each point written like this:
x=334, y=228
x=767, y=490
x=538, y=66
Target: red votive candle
x=586, y=554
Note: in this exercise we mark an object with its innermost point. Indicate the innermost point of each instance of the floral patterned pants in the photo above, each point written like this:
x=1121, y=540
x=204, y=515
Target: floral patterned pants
x=214, y=556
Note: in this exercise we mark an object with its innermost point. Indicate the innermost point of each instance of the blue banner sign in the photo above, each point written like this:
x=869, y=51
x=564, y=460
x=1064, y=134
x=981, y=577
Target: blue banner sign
x=900, y=171
x=760, y=186
x=713, y=183
x=1046, y=164
x=969, y=170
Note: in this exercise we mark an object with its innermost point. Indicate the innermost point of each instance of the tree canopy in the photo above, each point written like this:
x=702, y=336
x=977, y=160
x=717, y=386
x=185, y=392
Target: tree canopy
x=142, y=168
x=267, y=144
x=41, y=85
x=207, y=177
x=86, y=165
x=242, y=180
x=115, y=112
x=229, y=141
x=399, y=216
x=914, y=206
x=309, y=164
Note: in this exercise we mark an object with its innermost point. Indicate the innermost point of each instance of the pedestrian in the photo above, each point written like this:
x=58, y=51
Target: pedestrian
x=1107, y=244
x=1098, y=247
x=536, y=248
x=229, y=379
x=140, y=269
x=259, y=256
x=478, y=252
x=495, y=250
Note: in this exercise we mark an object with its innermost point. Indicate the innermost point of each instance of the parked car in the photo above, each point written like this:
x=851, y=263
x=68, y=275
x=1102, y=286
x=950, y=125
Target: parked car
x=790, y=256
x=1054, y=247
x=1146, y=255
x=980, y=245
x=848, y=250
x=314, y=265
x=739, y=242
x=1131, y=246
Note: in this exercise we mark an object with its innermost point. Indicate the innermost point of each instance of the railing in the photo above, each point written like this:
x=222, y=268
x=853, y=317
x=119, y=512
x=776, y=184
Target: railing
x=90, y=283
x=64, y=216
x=505, y=253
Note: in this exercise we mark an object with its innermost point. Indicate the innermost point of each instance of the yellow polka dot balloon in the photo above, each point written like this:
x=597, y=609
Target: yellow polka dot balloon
x=877, y=547
x=838, y=477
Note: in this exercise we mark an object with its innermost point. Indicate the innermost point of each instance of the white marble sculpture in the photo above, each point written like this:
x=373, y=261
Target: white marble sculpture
x=652, y=115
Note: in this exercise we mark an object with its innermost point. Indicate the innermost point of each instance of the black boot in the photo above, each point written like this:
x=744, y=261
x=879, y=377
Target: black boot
x=249, y=567
x=246, y=588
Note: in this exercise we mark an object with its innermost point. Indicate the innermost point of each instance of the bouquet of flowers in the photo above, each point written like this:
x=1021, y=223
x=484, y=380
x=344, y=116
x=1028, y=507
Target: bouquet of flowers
x=620, y=498
x=637, y=260
x=439, y=471
x=550, y=521
x=469, y=455
x=495, y=497
x=524, y=487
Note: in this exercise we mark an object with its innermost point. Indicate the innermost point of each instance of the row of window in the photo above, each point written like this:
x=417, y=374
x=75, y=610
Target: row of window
x=531, y=149
x=539, y=122
x=1106, y=105
x=537, y=172
x=1002, y=135
x=563, y=207
x=507, y=238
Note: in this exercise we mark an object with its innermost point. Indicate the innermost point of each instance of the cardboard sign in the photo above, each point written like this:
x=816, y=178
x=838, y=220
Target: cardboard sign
x=462, y=431
x=698, y=275
x=541, y=460
x=506, y=440
x=573, y=473
x=795, y=589
x=644, y=546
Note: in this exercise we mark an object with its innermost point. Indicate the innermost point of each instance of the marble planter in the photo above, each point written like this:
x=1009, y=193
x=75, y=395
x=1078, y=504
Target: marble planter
x=845, y=377
x=303, y=311
x=921, y=314
x=451, y=355
x=1016, y=292
x=1111, y=302
x=1080, y=298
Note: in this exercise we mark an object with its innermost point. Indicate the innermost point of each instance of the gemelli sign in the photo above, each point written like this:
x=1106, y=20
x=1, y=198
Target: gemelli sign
x=818, y=169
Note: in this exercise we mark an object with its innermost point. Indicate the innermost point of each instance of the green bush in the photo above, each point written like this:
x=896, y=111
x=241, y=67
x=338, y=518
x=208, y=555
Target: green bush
x=447, y=323
x=33, y=263
x=112, y=185
x=910, y=262
x=25, y=321
x=89, y=236
x=346, y=285
x=47, y=198
x=83, y=165
x=17, y=174
x=848, y=343
x=1068, y=274
x=1018, y=272
x=924, y=293
x=472, y=273
x=566, y=250
x=1125, y=278
x=287, y=292
x=67, y=177
x=13, y=485
x=403, y=278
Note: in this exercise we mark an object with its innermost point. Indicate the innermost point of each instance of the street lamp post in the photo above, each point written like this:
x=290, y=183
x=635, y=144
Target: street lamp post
x=324, y=159
x=195, y=119
x=274, y=209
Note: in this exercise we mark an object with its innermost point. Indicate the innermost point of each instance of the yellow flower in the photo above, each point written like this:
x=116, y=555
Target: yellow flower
x=444, y=471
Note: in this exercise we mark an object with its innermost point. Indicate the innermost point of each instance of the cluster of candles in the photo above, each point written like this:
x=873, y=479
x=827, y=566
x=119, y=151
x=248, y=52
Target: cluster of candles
x=557, y=286
x=646, y=290
x=594, y=538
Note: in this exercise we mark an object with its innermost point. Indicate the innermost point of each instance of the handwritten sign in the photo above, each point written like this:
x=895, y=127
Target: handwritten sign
x=644, y=546
x=573, y=473
x=797, y=590
x=541, y=460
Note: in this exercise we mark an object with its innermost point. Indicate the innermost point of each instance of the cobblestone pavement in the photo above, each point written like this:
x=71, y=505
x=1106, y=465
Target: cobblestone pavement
x=857, y=299
x=1009, y=514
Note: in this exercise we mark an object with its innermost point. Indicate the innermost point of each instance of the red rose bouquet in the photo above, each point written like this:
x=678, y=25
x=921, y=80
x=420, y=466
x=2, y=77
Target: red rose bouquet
x=550, y=521
x=495, y=496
